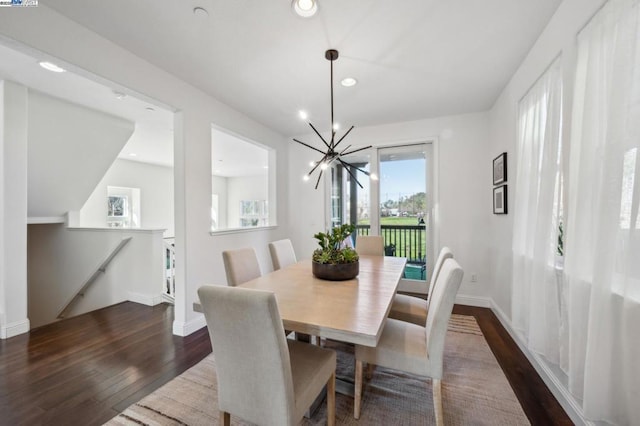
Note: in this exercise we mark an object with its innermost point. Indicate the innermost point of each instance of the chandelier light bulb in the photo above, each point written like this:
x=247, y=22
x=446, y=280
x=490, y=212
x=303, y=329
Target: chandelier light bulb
x=303, y=115
x=305, y=177
x=336, y=126
x=324, y=166
x=373, y=176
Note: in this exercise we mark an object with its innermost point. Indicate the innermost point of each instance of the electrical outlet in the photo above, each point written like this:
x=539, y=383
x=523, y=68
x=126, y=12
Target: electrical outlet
x=474, y=278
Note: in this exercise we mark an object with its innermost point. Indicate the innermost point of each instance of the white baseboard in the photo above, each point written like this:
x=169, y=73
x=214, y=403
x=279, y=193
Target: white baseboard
x=15, y=328
x=478, y=301
x=559, y=391
x=186, y=328
x=145, y=299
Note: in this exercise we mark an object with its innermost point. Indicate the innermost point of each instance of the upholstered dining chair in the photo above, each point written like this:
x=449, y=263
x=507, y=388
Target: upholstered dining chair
x=414, y=349
x=263, y=377
x=372, y=245
x=414, y=309
x=282, y=254
x=241, y=265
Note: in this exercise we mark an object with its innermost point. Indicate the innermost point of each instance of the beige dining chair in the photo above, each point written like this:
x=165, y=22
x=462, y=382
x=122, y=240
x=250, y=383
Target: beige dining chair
x=241, y=265
x=414, y=309
x=371, y=245
x=282, y=254
x=414, y=349
x=263, y=377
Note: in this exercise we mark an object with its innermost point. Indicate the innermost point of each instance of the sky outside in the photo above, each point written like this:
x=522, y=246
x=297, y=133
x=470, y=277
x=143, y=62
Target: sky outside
x=401, y=178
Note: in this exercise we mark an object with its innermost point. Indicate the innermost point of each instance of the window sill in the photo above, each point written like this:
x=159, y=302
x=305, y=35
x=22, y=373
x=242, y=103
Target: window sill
x=242, y=230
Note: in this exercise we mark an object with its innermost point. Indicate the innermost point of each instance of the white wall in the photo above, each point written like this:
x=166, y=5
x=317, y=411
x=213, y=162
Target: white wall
x=156, y=195
x=464, y=194
x=62, y=259
x=66, y=141
x=198, y=257
x=244, y=188
x=13, y=209
x=219, y=187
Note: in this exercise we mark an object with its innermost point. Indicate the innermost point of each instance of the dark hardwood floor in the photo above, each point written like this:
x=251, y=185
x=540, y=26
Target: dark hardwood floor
x=87, y=369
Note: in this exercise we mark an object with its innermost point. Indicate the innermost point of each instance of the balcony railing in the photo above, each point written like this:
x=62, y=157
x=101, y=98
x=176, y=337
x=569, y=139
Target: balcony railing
x=402, y=241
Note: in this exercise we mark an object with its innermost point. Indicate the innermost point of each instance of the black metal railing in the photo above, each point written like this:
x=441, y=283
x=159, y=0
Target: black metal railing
x=401, y=240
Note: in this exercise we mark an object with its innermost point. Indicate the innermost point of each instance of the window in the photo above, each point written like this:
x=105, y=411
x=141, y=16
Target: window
x=123, y=207
x=242, y=182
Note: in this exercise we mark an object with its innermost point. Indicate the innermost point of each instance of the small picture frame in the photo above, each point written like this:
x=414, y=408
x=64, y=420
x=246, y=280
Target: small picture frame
x=500, y=169
x=500, y=199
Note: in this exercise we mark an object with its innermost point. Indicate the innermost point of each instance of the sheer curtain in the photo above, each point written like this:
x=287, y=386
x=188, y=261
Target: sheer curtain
x=537, y=207
x=602, y=260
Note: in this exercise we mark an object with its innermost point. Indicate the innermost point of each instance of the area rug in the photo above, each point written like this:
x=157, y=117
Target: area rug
x=475, y=391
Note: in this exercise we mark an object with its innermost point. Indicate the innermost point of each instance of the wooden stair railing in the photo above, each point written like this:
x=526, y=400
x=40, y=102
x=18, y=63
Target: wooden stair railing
x=100, y=270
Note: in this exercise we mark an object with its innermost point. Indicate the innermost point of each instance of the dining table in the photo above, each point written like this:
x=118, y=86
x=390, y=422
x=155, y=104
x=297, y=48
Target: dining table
x=351, y=311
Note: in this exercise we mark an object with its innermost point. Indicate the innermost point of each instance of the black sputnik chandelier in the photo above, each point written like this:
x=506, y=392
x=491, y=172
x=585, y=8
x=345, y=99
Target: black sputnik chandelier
x=332, y=154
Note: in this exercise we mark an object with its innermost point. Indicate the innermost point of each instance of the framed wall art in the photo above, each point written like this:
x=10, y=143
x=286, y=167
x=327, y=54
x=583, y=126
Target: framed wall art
x=500, y=199
x=500, y=169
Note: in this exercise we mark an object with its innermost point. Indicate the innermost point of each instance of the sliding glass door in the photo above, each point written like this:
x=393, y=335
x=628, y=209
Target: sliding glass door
x=398, y=205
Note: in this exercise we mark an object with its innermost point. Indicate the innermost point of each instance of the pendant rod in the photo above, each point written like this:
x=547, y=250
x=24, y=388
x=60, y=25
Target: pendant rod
x=332, y=128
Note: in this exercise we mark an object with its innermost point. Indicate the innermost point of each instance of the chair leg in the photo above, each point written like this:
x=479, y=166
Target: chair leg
x=225, y=419
x=331, y=400
x=437, y=401
x=318, y=341
x=357, y=397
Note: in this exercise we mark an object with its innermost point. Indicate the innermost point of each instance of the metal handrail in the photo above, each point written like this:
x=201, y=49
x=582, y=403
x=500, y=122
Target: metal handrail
x=100, y=270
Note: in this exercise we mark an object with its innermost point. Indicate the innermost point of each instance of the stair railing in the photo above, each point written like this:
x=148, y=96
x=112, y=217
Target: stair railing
x=100, y=270
x=169, y=286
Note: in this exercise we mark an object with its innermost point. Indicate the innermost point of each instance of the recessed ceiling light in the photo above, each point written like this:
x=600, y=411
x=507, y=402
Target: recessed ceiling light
x=200, y=12
x=133, y=154
x=349, y=81
x=305, y=8
x=303, y=115
x=51, y=67
x=119, y=95
x=265, y=167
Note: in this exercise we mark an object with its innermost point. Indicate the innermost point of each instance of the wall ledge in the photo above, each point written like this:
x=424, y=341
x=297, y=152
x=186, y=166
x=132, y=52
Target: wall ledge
x=44, y=220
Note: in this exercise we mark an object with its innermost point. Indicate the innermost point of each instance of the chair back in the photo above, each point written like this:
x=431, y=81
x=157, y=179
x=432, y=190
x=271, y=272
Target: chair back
x=445, y=253
x=241, y=265
x=251, y=354
x=282, y=254
x=372, y=245
x=443, y=297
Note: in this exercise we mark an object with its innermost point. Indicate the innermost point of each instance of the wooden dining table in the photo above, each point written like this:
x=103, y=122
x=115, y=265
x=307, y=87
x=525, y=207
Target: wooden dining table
x=352, y=311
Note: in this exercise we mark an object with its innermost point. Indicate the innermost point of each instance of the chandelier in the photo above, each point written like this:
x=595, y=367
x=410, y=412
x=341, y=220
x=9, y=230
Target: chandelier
x=332, y=154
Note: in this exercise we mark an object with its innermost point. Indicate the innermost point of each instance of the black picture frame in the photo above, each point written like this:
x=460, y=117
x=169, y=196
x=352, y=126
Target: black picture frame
x=500, y=205
x=500, y=169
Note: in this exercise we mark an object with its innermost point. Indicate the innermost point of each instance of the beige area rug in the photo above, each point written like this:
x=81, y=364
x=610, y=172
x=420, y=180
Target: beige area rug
x=475, y=391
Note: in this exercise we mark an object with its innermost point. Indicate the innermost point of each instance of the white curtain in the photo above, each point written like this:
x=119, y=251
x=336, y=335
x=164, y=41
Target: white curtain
x=537, y=209
x=602, y=256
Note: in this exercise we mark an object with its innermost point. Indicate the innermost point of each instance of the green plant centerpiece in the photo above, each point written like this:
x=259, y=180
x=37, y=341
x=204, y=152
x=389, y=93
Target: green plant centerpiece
x=334, y=260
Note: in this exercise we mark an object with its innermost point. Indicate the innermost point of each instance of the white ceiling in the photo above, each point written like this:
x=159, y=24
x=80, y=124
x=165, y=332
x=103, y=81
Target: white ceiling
x=413, y=59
